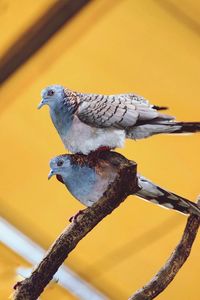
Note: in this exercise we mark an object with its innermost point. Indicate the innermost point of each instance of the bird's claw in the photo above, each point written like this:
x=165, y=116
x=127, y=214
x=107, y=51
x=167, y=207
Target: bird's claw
x=74, y=218
x=94, y=155
x=17, y=285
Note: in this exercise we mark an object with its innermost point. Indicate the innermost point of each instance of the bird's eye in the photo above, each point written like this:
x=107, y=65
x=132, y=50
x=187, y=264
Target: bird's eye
x=50, y=93
x=59, y=163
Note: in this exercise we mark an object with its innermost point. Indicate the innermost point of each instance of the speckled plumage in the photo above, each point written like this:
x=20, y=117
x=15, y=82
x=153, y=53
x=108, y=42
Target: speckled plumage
x=88, y=182
x=86, y=122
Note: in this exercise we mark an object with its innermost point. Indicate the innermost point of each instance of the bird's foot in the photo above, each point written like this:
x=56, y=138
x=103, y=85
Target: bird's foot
x=94, y=155
x=17, y=285
x=103, y=148
x=74, y=218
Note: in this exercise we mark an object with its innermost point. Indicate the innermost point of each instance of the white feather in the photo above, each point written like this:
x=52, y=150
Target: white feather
x=83, y=138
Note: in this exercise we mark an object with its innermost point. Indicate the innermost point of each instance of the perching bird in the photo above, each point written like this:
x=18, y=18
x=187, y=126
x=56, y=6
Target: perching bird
x=88, y=182
x=87, y=122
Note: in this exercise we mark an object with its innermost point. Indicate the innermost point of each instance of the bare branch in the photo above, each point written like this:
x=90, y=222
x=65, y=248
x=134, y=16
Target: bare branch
x=124, y=184
x=168, y=272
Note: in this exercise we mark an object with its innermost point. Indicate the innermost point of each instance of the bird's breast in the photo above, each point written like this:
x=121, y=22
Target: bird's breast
x=82, y=138
x=89, y=184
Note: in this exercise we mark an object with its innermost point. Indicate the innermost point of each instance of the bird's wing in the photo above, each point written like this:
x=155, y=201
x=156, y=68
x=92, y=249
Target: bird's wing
x=120, y=111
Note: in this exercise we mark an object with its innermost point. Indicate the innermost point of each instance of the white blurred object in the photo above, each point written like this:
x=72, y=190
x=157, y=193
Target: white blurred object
x=33, y=253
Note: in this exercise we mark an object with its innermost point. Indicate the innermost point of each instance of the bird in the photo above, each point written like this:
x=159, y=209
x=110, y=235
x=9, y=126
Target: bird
x=90, y=122
x=88, y=181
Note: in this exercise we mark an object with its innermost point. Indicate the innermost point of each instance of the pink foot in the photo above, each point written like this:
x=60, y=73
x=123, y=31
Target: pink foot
x=95, y=154
x=17, y=285
x=103, y=148
x=74, y=218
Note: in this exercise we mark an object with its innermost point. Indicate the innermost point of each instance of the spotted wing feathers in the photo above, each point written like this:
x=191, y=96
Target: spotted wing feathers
x=119, y=111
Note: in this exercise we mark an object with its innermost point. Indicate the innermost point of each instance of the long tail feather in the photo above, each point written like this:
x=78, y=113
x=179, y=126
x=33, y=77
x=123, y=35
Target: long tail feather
x=155, y=194
x=160, y=107
x=158, y=126
x=187, y=127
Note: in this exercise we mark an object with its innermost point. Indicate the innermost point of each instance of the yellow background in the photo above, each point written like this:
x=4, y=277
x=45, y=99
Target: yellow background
x=149, y=47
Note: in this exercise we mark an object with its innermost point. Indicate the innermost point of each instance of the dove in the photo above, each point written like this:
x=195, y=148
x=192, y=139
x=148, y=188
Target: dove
x=87, y=182
x=91, y=122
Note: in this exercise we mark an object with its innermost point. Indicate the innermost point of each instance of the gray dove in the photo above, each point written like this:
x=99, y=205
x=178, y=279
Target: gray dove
x=90, y=122
x=87, y=183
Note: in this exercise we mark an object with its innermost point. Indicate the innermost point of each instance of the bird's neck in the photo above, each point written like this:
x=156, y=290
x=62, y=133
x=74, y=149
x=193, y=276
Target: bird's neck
x=59, y=178
x=62, y=117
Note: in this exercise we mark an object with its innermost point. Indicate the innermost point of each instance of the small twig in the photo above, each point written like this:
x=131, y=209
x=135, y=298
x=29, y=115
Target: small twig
x=124, y=184
x=178, y=257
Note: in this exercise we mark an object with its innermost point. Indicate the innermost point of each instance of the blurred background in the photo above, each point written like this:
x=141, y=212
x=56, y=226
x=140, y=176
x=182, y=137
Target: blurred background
x=148, y=47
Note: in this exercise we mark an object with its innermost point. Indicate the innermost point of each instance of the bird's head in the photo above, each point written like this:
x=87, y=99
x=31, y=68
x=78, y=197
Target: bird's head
x=60, y=165
x=52, y=96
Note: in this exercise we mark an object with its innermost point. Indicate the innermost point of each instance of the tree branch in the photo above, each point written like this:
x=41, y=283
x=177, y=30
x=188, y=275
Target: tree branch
x=178, y=257
x=124, y=184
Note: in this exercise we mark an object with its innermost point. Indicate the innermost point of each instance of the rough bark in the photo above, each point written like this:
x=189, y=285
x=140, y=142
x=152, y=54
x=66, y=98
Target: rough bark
x=124, y=184
x=178, y=257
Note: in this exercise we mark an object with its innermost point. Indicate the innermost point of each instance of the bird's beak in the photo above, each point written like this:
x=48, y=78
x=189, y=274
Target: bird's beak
x=51, y=173
x=42, y=103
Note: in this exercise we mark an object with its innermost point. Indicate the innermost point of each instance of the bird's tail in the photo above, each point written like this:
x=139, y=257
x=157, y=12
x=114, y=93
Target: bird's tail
x=141, y=131
x=186, y=127
x=155, y=194
x=159, y=107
